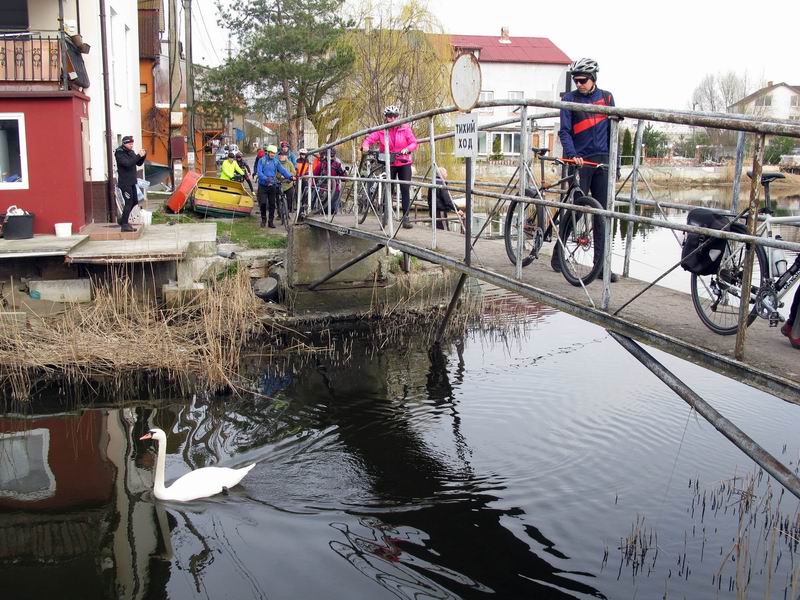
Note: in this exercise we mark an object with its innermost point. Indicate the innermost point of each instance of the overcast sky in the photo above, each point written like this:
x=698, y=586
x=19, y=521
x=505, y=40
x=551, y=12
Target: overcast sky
x=651, y=54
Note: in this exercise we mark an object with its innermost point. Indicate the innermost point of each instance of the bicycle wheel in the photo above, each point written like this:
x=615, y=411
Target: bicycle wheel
x=716, y=297
x=533, y=219
x=283, y=210
x=580, y=233
x=370, y=196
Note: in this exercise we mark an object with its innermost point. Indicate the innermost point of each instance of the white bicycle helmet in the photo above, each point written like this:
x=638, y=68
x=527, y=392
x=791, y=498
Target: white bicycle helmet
x=391, y=110
x=302, y=151
x=586, y=66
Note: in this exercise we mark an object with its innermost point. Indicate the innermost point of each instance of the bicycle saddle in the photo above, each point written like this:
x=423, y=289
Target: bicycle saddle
x=540, y=151
x=767, y=177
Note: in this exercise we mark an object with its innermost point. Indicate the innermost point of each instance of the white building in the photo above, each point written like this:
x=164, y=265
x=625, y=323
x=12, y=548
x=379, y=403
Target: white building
x=516, y=68
x=776, y=101
x=54, y=65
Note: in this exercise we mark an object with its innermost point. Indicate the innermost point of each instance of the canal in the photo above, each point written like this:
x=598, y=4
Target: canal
x=529, y=457
x=532, y=459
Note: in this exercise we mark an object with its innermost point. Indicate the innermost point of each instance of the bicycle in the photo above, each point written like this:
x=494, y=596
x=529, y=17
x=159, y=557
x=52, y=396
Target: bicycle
x=578, y=232
x=371, y=194
x=716, y=296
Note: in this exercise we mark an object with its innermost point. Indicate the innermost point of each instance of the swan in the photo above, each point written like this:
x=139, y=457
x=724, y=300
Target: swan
x=200, y=483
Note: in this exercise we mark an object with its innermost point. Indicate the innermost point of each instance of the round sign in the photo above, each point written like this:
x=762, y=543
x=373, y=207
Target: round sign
x=465, y=81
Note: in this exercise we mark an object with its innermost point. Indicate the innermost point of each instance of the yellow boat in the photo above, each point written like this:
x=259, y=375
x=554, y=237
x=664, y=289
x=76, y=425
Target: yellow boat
x=215, y=197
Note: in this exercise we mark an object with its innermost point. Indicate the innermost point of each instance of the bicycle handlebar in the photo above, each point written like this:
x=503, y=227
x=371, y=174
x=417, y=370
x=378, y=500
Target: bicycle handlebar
x=571, y=161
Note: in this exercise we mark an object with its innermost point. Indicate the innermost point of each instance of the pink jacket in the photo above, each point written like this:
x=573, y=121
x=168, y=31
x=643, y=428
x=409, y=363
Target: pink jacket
x=400, y=138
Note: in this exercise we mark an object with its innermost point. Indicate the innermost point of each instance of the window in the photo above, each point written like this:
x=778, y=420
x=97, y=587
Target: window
x=509, y=143
x=116, y=77
x=14, y=15
x=487, y=95
x=515, y=95
x=25, y=473
x=481, y=142
x=142, y=88
x=764, y=100
x=13, y=153
x=795, y=101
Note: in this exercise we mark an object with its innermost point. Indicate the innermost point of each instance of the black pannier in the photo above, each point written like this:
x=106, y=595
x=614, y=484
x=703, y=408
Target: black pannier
x=705, y=261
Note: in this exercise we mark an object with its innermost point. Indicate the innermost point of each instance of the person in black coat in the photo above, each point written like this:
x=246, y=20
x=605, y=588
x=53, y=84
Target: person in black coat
x=444, y=203
x=127, y=161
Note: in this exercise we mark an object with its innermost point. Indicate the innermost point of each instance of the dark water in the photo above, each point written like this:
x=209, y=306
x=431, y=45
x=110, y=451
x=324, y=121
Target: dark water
x=512, y=464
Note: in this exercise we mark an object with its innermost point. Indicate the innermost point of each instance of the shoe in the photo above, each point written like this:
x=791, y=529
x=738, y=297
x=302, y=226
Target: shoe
x=263, y=224
x=271, y=225
x=119, y=220
x=614, y=277
x=126, y=228
x=555, y=263
x=407, y=224
x=795, y=342
x=787, y=329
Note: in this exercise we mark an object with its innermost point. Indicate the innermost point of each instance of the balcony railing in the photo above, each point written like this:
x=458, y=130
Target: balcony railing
x=31, y=57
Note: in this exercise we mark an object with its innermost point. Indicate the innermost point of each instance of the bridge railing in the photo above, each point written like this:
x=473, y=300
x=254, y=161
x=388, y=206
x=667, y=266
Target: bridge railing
x=733, y=122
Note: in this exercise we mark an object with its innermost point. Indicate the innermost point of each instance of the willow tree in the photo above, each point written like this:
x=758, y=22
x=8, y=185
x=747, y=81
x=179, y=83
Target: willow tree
x=290, y=59
x=400, y=58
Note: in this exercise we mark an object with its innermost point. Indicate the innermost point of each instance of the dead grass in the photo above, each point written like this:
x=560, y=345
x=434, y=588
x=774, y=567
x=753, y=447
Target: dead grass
x=122, y=332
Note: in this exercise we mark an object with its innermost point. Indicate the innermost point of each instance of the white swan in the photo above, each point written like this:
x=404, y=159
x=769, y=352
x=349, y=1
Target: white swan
x=201, y=483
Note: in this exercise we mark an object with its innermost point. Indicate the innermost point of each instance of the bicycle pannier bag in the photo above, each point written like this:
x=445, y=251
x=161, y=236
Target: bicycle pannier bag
x=705, y=261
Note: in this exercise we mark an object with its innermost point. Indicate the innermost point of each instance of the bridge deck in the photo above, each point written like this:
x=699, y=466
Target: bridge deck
x=662, y=317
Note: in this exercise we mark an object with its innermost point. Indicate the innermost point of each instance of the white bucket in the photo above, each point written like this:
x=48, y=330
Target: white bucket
x=146, y=216
x=63, y=230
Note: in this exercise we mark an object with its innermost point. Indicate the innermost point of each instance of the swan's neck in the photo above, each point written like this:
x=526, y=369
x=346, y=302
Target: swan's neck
x=158, y=485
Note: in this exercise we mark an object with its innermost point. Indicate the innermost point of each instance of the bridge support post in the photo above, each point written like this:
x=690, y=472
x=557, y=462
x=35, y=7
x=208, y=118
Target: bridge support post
x=613, y=136
x=752, y=221
x=434, y=198
x=739, y=438
x=388, y=221
x=737, y=171
x=450, y=308
x=637, y=156
x=328, y=156
x=468, y=219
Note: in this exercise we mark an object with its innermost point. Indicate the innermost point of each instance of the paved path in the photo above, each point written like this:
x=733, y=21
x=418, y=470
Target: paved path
x=662, y=317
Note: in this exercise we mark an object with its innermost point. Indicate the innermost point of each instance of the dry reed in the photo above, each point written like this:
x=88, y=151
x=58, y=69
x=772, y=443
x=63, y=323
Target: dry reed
x=123, y=332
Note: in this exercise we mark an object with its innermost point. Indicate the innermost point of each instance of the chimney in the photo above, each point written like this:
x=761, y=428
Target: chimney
x=504, y=39
x=769, y=84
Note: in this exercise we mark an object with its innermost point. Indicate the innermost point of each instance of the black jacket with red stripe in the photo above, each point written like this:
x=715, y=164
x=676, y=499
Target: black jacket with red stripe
x=583, y=133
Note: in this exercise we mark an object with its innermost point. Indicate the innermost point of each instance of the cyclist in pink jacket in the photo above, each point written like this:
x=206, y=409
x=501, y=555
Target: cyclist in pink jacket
x=401, y=144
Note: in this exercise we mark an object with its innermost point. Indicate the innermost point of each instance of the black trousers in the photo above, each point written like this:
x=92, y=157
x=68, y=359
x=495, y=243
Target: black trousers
x=267, y=201
x=403, y=172
x=131, y=200
x=594, y=183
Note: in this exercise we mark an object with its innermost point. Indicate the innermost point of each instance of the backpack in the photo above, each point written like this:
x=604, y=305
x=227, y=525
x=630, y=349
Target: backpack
x=707, y=259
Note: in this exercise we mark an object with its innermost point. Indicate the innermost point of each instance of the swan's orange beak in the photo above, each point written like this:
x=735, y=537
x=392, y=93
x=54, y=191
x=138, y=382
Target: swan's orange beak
x=146, y=436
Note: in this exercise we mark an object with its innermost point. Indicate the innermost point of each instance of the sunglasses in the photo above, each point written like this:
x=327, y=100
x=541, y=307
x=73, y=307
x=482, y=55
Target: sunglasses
x=580, y=80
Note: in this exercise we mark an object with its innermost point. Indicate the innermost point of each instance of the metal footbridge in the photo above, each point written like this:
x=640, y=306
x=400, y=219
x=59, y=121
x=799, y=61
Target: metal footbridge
x=633, y=311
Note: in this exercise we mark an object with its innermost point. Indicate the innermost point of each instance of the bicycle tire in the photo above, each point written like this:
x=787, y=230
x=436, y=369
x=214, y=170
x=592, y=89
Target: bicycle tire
x=707, y=297
x=283, y=210
x=577, y=237
x=370, y=198
x=533, y=228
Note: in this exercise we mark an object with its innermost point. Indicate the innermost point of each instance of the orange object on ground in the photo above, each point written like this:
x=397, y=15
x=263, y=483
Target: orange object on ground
x=181, y=195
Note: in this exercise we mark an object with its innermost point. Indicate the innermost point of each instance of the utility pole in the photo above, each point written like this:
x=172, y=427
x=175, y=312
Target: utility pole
x=174, y=84
x=187, y=14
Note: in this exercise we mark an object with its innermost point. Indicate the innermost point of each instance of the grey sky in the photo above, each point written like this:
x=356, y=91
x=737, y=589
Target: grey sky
x=651, y=54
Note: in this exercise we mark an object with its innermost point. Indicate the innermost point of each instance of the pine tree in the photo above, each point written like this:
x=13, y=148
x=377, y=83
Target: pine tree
x=627, y=148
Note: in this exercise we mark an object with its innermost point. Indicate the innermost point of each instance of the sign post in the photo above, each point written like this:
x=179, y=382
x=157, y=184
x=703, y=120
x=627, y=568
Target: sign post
x=465, y=87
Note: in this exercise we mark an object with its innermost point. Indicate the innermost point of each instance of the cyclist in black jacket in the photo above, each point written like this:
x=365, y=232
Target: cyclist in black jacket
x=127, y=161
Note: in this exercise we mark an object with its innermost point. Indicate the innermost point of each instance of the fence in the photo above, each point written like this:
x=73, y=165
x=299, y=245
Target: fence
x=31, y=57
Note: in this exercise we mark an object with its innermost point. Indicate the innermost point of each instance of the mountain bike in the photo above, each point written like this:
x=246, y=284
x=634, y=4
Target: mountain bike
x=371, y=194
x=716, y=297
x=579, y=233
